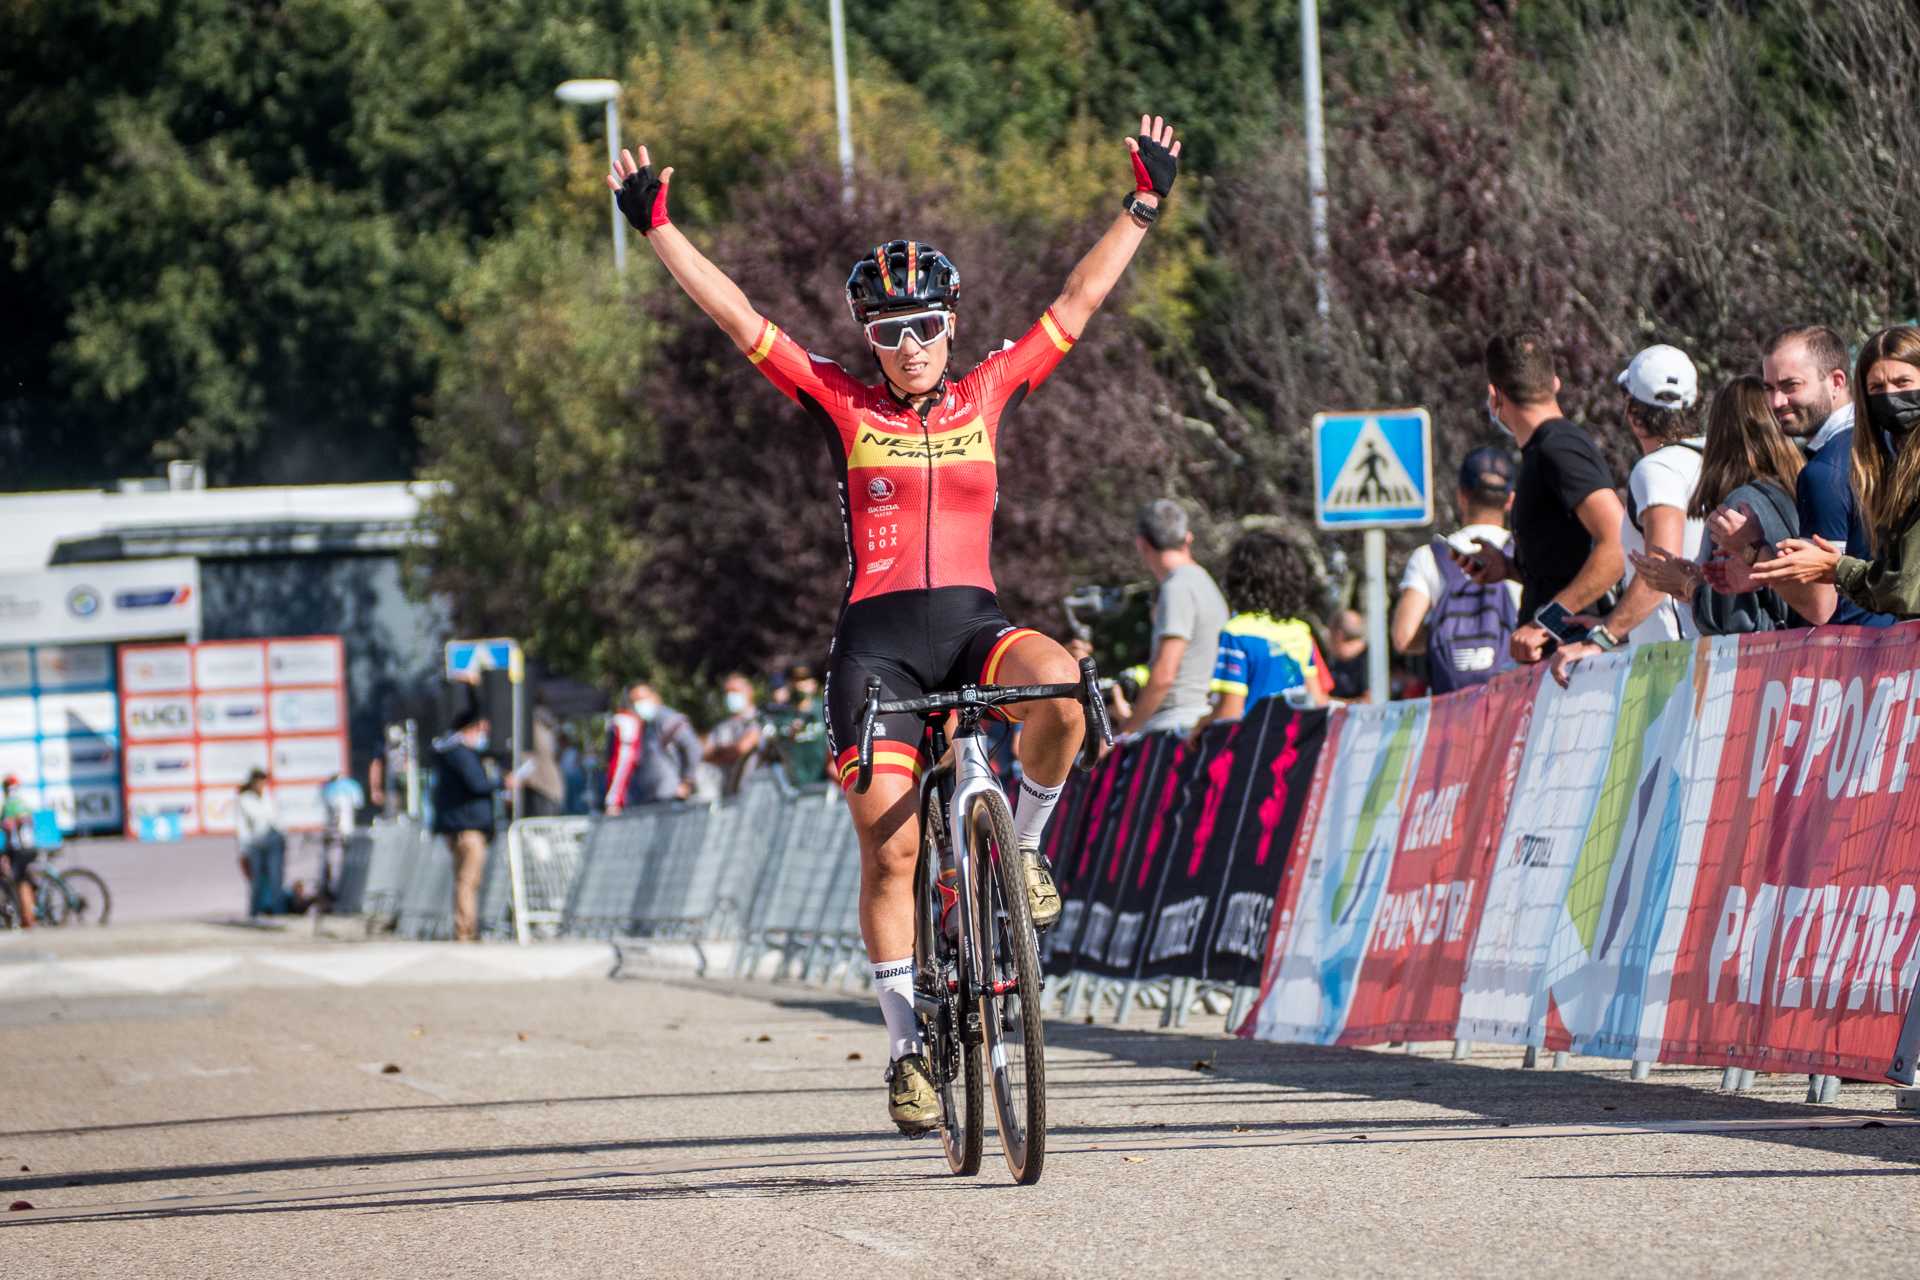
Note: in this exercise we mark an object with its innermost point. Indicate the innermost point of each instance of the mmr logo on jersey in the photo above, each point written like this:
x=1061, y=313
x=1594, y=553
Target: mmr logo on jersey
x=873, y=449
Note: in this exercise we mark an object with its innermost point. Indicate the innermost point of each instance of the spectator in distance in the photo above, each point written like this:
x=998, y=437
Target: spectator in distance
x=1266, y=650
x=734, y=743
x=1188, y=613
x=463, y=813
x=262, y=847
x=1462, y=625
x=1566, y=517
x=800, y=728
x=1886, y=477
x=1750, y=467
x=652, y=752
x=1661, y=389
x=543, y=788
x=1347, y=654
x=16, y=822
x=1805, y=369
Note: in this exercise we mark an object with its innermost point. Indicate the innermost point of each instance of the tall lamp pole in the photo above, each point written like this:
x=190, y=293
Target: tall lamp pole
x=1316, y=158
x=842, y=113
x=587, y=93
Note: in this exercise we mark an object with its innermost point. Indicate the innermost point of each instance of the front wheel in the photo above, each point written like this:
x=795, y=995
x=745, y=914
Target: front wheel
x=83, y=898
x=953, y=1048
x=1010, y=1008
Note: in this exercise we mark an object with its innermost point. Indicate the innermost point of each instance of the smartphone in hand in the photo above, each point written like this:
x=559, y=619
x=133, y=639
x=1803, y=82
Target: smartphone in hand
x=1558, y=621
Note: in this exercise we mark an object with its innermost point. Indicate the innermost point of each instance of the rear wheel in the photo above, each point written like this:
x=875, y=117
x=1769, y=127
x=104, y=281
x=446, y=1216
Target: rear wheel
x=955, y=1062
x=1016, y=1047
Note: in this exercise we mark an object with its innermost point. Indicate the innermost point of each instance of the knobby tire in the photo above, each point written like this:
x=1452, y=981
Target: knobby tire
x=1015, y=1040
x=963, y=1095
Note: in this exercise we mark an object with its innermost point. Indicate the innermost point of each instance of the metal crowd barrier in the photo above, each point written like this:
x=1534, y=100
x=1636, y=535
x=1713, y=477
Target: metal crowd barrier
x=395, y=846
x=544, y=856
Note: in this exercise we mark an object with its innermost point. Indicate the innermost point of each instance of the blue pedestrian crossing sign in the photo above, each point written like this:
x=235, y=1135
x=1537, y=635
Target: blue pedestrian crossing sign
x=1373, y=469
x=484, y=655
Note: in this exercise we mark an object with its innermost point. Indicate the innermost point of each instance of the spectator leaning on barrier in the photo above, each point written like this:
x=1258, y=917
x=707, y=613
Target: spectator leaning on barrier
x=1188, y=613
x=1462, y=625
x=1749, y=467
x=652, y=752
x=1566, y=517
x=1661, y=389
x=463, y=813
x=1266, y=650
x=799, y=728
x=1886, y=478
x=1805, y=370
x=734, y=743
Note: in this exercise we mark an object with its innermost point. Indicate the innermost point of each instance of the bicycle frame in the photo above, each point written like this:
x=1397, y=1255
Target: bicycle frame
x=972, y=777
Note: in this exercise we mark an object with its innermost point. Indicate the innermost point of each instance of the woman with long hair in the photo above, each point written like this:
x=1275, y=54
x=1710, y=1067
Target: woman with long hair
x=1748, y=470
x=1883, y=577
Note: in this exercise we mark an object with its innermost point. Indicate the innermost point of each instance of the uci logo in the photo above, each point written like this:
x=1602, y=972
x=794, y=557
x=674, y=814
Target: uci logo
x=879, y=489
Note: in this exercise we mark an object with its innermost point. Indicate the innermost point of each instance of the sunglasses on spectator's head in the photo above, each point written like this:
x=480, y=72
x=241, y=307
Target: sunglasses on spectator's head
x=924, y=327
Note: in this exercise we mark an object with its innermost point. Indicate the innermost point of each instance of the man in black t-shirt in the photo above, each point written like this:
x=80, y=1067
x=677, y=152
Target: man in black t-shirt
x=1566, y=515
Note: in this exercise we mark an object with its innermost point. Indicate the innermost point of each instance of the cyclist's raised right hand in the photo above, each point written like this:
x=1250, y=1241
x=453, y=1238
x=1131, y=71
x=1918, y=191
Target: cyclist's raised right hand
x=641, y=195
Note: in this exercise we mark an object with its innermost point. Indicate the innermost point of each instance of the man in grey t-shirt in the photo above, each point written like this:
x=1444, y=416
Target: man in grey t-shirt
x=1188, y=615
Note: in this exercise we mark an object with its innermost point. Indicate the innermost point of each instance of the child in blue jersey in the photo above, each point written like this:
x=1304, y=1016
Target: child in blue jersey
x=1266, y=650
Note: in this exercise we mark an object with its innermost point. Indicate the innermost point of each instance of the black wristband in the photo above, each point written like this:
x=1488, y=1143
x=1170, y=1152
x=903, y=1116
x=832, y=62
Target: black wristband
x=1139, y=210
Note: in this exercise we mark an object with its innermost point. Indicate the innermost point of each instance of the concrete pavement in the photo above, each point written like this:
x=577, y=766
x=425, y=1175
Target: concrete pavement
x=667, y=1127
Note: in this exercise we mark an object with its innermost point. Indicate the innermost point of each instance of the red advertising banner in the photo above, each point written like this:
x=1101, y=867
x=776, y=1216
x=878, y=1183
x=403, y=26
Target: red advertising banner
x=1416, y=955
x=197, y=719
x=1799, y=951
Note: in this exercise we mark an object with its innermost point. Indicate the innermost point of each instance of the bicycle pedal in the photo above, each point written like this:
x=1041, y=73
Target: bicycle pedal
x=915, y=1134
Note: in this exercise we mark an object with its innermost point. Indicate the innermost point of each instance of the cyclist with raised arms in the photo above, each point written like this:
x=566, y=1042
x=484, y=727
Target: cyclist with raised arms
x=917, y=456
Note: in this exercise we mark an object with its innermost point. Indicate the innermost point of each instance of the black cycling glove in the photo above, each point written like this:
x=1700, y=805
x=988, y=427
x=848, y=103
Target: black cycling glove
x=643, y=198
x=1154, y=167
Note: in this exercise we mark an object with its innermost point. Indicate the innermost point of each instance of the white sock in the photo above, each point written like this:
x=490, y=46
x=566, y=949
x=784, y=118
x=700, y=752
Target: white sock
x=1036, y=806
x=893, y=987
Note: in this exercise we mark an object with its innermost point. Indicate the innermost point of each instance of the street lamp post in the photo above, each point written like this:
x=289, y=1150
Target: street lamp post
x=586, y=93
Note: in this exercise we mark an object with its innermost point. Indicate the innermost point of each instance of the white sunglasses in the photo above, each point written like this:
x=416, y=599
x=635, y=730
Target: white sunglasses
x=924, y=327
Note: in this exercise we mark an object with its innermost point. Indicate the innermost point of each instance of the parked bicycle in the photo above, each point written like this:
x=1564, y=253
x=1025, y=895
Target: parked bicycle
x=70, y=896
x=981, y=988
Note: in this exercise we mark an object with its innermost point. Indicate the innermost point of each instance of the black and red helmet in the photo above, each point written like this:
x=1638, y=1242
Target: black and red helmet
x=901, y=275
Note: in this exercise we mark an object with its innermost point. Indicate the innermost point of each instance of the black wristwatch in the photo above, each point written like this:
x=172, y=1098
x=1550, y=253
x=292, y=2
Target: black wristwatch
x=1139, y=210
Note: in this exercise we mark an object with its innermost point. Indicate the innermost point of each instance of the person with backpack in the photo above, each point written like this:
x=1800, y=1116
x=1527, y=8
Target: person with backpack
x=1661, y=391
x=1461, y=625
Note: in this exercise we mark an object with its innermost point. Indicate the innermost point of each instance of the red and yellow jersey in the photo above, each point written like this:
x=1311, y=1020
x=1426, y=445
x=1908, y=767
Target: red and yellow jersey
x=917, y=496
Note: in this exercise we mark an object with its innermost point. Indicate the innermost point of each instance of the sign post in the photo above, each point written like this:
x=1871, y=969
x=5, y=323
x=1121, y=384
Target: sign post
x=1373, y=471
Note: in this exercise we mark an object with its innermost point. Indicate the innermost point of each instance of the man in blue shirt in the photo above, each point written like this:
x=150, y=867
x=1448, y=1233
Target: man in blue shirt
x=1805, y=369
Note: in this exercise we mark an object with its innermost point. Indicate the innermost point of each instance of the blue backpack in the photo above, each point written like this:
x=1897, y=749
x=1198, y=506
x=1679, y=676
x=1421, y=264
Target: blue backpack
x=1467, y=628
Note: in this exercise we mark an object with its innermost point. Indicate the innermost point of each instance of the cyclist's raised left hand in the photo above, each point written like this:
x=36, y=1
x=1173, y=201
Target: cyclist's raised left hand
x=1156, y=157
x=641, y=195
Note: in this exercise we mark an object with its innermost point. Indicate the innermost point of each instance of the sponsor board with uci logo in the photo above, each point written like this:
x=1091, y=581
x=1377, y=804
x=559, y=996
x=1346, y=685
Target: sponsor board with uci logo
x=200, y=718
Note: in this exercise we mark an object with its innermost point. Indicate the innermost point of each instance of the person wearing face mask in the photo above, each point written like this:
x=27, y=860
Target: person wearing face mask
x=1566, y=547
x=734, y=743
x=463, y=813
x=1886, y=481
x=652, y=752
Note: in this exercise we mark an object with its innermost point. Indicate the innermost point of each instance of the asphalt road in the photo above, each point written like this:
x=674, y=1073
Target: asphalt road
x=659, y=1127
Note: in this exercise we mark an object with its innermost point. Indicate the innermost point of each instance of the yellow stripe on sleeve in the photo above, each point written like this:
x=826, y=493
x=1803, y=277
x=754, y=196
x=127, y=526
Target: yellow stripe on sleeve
x=764, y=347
x=1055, y=332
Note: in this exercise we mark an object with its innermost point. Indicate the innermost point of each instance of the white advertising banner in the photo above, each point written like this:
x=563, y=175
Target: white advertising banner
x=230, y=665
x=92, y=603
x=309, y=759
x=232, y=715
x=307, y=711
x=303, y=662
x=154, y=717
x=82, y=758
x=161, y=766
x=157, y=669
x=229, y=763
x=60, y=731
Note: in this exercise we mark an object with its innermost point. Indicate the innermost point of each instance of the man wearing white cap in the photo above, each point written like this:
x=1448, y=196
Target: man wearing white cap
x=1661, y=390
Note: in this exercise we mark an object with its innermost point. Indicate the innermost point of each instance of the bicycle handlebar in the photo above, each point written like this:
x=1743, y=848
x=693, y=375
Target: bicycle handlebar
x=1098, y=733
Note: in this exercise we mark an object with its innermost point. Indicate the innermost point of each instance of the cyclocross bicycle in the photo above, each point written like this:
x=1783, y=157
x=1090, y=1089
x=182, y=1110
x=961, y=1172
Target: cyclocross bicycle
x=980, y=989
